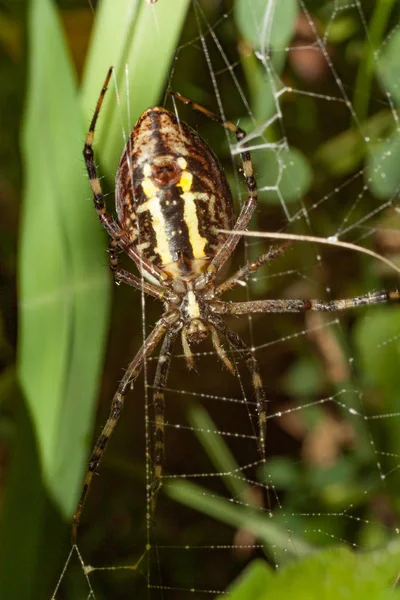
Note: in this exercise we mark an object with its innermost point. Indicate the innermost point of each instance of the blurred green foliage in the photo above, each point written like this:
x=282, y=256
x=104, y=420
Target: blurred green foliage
x=333, y=574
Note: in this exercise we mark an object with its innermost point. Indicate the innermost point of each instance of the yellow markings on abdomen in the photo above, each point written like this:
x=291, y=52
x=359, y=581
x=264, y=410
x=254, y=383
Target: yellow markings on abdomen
x=196, y=240
x=152, y=204
x=186, y=181
x=149, y=188
x=157, y=220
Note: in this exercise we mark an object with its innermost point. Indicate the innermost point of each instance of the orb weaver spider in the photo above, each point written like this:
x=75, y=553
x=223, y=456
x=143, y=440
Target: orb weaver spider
x=172, y=201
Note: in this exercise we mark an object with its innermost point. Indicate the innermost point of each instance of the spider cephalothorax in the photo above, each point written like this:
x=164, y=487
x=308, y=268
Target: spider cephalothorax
x=195, y=316
x=174, y=207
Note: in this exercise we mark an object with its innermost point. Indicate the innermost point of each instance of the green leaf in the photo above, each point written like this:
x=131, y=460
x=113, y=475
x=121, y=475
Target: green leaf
x=221, y=456
x=275, y=537
x=304, y=378
x=260, y=88
x=288, y=173
x=64, y=285
x=342, y=29
x=383, y=174
x=389, y=67
x=266, y=24
x=376, y=31
x=283, y=471
x=335, y=574
x=111, y=34
x=378, y=348
x=379, y=351
x=252, y=583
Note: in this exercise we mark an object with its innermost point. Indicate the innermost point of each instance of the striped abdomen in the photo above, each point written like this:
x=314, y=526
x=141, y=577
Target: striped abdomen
x=172, y=195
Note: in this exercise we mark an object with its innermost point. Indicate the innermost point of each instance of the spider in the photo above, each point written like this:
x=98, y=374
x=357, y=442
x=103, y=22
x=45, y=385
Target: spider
x=172, y=201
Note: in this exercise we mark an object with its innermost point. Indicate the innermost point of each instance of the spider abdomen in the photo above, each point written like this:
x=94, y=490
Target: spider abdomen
x=172, y=195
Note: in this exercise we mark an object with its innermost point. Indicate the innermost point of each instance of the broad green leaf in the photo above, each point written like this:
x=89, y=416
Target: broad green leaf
x=335, y=574
x=111, y=34
x=64, y=285
x=252, y=583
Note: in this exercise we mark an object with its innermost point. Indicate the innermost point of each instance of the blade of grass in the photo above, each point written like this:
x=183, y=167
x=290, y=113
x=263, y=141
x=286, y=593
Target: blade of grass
x=64, y=287
x=219, y=453
x=378, y=23
x=147, y=59
x=26, y=544
x=111, y=35
x=259, y=524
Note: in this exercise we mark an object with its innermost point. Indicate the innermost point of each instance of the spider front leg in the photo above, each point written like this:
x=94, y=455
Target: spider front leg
x=299, y=306
x=122, y=276
x=244, y=272
x=118, y=235
x=130, y=376
x=160, y=381
x=252, y=364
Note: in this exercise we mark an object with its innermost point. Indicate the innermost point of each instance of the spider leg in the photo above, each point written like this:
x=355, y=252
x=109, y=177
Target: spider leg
x=252, y=365
x=244, y=272
x=113, y=229
x=298, y=306
x=123, y=276
x=220, y=350
x=251, y=186
x=187, y=351
x=117, y=404
x=160, y=381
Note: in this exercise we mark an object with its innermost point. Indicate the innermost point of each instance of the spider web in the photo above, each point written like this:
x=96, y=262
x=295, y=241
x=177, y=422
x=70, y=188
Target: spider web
x=322, y=124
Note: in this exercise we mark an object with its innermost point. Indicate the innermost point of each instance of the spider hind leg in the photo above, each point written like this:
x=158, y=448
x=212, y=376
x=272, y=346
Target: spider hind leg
x=252, y=365
x=160, y=381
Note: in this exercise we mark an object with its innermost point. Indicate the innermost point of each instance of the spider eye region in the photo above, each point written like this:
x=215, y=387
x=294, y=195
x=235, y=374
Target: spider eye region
x=172, y=196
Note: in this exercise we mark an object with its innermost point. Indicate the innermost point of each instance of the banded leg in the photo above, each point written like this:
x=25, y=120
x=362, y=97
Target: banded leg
x=117, y=405
x=299, y=306
x=216, y=342
x=122, y=276
x=160, y=381
x=113, y=259
x=251, y=186
x=113, y=229
x=244, y=272
x=252, y=365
